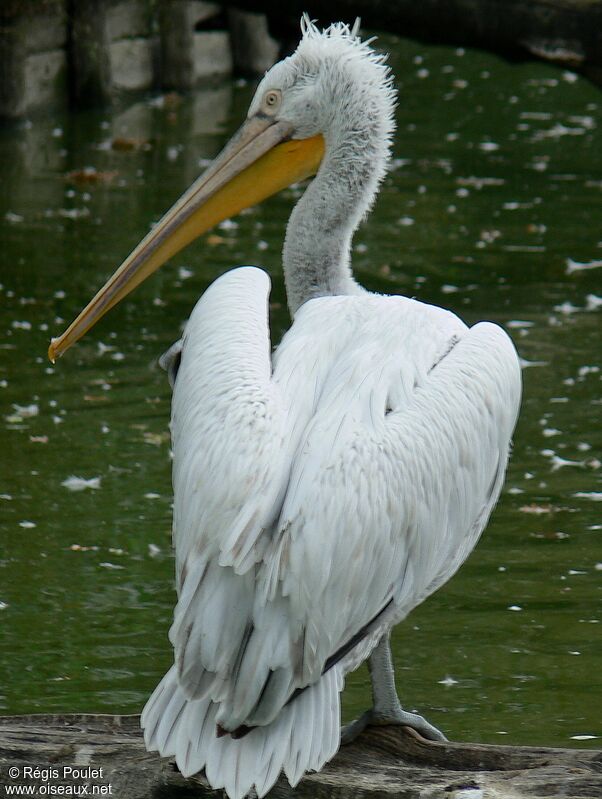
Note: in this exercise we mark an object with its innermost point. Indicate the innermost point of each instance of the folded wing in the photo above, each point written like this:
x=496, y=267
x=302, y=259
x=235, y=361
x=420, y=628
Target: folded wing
x=340, y=489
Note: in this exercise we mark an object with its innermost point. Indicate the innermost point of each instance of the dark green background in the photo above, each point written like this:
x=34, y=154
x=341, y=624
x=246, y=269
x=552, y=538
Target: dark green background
x=499, y=184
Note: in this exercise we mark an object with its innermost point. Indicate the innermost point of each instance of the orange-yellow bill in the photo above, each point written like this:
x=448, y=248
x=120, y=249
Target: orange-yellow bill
x=260, y=160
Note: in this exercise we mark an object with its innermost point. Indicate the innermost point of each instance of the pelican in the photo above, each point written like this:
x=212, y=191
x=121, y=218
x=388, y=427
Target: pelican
x=323, y=491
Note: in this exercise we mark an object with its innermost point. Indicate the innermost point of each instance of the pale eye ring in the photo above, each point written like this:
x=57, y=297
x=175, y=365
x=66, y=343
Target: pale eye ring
x=272, y=99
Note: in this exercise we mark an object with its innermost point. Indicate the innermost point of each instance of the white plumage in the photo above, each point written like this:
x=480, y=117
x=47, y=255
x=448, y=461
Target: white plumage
x=356, y=468
x=321, y=493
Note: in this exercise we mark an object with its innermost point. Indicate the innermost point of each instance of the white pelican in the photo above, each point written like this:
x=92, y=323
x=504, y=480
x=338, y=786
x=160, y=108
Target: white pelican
x=323, y=491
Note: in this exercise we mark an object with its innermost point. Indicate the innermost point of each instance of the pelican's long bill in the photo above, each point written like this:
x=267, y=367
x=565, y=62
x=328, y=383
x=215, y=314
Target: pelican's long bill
x=260, y=160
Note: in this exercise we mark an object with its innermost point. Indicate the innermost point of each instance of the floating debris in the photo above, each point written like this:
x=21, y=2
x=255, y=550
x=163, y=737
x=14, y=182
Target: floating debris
x=588, y=370
x=595, y=496
x=74, y=483
x=567, y=308
x=536, y=509
x=539, y=115
x=90, y=176
x=524, y=248
x=524, y=364
x=153, y=550
x=67, y=213
x=515, y=608
x=557, y=462
x=577, y=266
x=168, y=102
x=156, y=439
x=399, y=163
x=558, y=131
x=107, y=565
x=489, y=236
x=518, y=324
x=125, y=144
x=26, y=411
x=448, y=681
x=551, y=536
x=21, y=325
x=27, y=525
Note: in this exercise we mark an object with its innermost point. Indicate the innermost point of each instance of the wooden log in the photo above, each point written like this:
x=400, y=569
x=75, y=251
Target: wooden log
x=383, y=763
x=567, y=32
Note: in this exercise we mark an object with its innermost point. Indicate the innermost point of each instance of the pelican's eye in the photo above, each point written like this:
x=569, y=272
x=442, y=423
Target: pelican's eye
x=271, y=100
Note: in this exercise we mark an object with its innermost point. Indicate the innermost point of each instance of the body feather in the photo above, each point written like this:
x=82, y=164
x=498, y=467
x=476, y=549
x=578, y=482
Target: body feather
x=309, y=496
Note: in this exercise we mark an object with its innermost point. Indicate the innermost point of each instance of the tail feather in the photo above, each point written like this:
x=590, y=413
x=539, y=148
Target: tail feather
x=273, y=756
x=170, y=724
x=303, y=737
x=160, y=708
x=197, y=736
x=299, y=755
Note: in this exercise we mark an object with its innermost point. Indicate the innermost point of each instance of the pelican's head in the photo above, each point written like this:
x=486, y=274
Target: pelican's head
x=315, y=89
x=303, y=107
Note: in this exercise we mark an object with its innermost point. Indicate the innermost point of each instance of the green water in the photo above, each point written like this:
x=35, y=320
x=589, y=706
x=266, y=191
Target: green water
x=496, y=190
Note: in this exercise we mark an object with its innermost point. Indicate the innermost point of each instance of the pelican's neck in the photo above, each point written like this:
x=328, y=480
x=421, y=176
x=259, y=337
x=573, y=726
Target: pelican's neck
x=317, y=247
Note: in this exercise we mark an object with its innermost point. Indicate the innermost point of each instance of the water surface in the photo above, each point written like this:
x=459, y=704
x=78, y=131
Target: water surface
x=492, y=209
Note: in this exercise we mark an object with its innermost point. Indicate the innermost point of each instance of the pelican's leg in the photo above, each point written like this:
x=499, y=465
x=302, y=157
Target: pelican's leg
x=386, y=708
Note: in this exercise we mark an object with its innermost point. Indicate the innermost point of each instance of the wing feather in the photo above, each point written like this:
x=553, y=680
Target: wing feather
x=228, y=432
x=355, y=471
x=375, y=511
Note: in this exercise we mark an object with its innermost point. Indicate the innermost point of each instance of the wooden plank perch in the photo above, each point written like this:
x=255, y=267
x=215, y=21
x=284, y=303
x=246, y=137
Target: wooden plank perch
x=384, y=763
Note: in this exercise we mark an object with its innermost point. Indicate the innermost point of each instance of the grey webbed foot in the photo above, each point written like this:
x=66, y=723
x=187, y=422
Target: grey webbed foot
x=387, y=709
x=398, y=717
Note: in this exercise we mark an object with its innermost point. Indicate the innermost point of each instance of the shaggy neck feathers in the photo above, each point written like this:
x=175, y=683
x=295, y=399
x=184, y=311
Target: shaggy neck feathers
x=358, y=106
